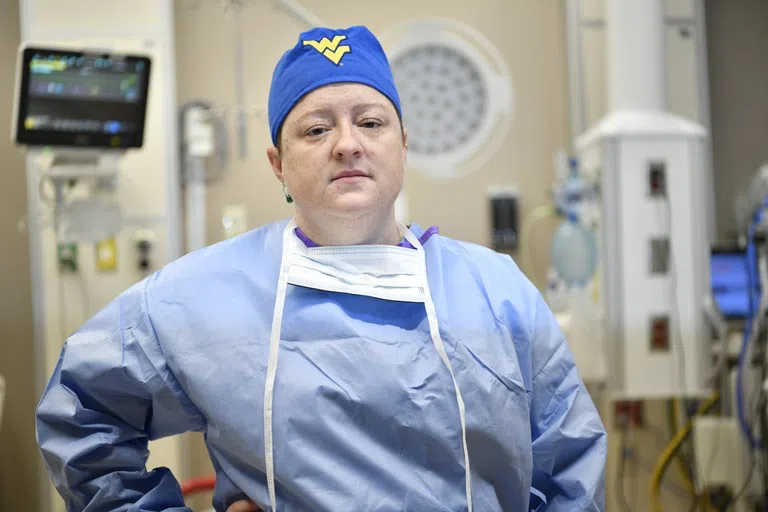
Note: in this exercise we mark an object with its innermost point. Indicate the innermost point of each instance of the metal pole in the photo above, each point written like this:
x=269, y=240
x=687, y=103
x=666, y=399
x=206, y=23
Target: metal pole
x=236, y=13
x=636, y=55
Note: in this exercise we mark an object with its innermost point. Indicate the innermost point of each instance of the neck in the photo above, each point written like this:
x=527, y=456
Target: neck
x=363, y=230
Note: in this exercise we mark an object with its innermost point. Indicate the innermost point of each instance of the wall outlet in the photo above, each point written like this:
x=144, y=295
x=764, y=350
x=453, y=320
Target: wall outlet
x=144, y=239
x=657, y=179
x=659, y=331
x=234, y=219
x=66, y=252
x=628, y=414
x=106, y=255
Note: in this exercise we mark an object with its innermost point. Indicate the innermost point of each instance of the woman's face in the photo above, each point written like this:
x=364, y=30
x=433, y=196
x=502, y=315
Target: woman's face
x=342, y=152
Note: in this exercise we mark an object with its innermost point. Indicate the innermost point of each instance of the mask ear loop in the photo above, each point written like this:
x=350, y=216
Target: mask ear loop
x=274, y=349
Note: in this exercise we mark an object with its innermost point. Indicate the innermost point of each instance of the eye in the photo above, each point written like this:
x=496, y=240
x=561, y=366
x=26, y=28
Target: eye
x=316, y=131
x=370, y=123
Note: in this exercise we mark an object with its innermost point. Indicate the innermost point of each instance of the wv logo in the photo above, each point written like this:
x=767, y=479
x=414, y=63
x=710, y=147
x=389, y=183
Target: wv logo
x=330, y=49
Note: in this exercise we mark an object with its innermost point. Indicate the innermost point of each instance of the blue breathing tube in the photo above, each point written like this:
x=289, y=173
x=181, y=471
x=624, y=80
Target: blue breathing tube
x=751, y=278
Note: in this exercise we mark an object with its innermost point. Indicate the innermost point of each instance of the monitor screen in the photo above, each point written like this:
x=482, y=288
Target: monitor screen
x=731, y=282
x=81, y=99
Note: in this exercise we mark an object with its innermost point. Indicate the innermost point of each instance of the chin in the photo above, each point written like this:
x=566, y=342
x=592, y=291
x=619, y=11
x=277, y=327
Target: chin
x=351, y=203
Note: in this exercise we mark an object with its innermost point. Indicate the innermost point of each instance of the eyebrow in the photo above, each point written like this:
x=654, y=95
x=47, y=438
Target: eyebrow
x=365, y=106
x=325, y=111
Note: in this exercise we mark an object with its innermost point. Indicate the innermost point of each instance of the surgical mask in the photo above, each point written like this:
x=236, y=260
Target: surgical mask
x=381, y=271
x=385, y=272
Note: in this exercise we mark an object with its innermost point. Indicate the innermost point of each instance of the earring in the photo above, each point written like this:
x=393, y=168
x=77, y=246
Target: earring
x=288, y=198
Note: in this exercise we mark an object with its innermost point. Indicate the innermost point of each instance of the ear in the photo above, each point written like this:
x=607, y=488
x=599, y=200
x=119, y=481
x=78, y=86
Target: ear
x=405, y=144
x=273, y=155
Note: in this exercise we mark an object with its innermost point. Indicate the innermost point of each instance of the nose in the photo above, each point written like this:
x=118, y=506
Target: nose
x=348, y=143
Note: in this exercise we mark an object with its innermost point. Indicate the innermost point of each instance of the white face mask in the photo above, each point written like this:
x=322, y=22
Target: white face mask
x=382, y=271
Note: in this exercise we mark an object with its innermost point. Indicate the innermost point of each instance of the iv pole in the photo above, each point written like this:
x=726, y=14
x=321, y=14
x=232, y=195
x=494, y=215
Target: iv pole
x=234, y=11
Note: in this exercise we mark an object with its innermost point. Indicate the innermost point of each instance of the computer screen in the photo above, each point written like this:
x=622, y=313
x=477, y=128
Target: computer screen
x=81, y=99
x=731, y=282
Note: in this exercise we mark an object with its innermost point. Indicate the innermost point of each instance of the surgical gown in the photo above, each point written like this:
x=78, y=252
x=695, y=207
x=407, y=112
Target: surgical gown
x=365, y=414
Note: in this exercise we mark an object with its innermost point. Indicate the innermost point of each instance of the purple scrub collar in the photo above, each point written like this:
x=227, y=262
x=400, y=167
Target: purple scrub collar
x=405, y=243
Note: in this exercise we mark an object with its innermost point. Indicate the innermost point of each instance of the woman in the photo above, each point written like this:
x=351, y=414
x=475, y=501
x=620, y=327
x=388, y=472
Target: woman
x=337, y=361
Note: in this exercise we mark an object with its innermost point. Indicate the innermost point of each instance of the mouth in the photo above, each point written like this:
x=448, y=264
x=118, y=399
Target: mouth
x=351, y=174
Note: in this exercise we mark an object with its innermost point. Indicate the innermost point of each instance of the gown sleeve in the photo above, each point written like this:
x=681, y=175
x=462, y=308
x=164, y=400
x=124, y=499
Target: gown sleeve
x=569, y=439
x=110, y=394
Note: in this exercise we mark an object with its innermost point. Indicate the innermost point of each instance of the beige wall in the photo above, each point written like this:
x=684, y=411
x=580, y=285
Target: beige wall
x=18, y=451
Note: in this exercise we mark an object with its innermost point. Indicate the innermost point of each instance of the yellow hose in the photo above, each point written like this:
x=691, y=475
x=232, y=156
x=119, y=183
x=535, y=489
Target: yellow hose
x=663, y=462
x=687, y=482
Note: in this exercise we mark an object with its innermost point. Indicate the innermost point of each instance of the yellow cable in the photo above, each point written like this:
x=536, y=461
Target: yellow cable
x=671, y=449
x=683, y=470
x=687, y=482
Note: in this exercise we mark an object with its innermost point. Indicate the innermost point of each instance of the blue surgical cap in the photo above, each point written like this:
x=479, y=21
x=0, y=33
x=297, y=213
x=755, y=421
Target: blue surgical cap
x=325, y=56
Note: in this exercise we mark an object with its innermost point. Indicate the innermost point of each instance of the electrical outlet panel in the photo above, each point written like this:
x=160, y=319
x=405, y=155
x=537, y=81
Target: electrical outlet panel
x=144, y=240
x=66, y=253
x=234, y=219
x=659, y=256
x=657, y=179
x=106, y=255
x=628, y=414
x=659, y=334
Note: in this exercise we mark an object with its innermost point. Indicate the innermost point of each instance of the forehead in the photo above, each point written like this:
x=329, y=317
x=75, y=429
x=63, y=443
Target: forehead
x=340, y=97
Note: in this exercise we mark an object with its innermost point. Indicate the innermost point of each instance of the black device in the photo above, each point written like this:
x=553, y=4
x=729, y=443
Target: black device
x=504, y=220
x=80, y=99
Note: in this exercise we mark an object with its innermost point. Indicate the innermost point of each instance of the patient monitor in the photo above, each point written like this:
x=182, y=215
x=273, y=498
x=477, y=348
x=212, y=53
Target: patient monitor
x=80, y=99
x=77, y=112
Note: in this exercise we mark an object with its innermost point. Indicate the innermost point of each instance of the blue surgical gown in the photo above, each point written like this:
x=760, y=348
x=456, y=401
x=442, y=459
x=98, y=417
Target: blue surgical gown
x=365, y=417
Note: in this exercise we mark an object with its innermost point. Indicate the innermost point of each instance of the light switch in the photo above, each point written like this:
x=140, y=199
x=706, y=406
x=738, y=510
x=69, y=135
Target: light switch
x=106, y=255
x=234, y=220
